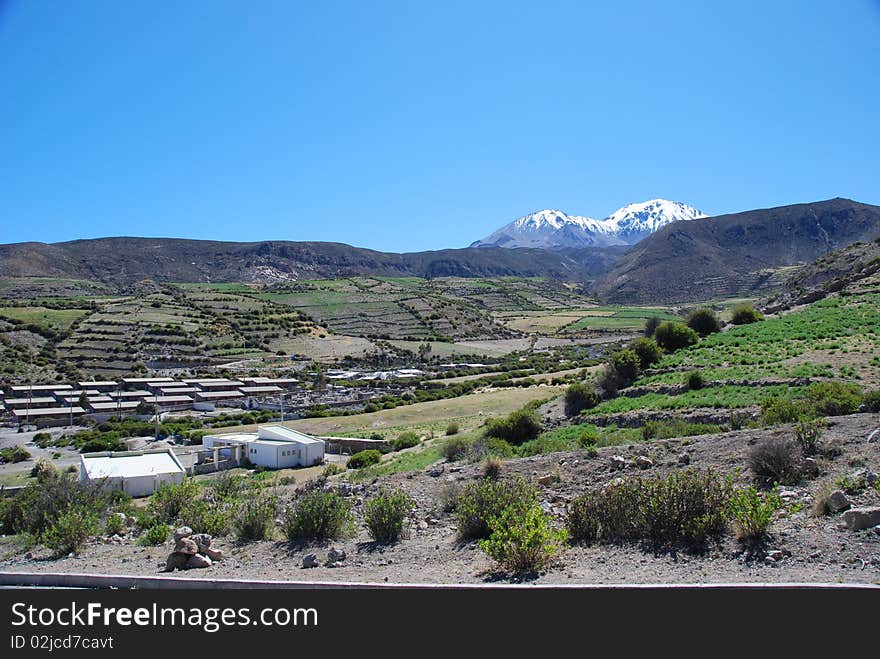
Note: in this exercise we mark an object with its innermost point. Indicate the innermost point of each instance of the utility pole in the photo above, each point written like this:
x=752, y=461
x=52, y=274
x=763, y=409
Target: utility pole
x=156, y=399
x=281, y=399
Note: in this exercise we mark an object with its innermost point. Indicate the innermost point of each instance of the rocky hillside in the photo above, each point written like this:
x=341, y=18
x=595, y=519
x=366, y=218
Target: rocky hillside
x=733, y=255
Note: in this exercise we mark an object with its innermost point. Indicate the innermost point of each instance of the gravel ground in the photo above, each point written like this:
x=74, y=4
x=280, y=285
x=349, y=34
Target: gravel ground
x=815, y=549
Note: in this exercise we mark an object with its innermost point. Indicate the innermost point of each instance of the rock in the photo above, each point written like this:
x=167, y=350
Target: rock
x=197, y=562
x=618, y=462
x=837, y=501
x=786, y=494
x=435, y=471
x=857, y=519
x=423, y=526
x=547, y=508
x=776, y=554
x=214, y=554
x=182, y=532
x=186, y=546
x=644, y=462
x=616, y=482
x=684, y=459
x=310, y=560
x=336, y=555
x=203, y=540
x=769, y=560
x=811, y=466
x=176, y=561
x=871, y=478
x=337, y=564
x=547, y=479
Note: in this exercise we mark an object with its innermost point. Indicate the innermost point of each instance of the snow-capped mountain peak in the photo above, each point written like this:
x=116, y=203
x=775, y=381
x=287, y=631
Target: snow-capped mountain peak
x=555, y=229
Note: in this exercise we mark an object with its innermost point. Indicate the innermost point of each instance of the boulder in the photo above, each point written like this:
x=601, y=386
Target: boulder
x=837, y=501
x=644, y=462
x=176, y=561
x=214, y=554
x=618, y=462
x=197, y=561
x=203, y=540
x=857, y=519
x=435, y=471
x=335, y=555
x=871, y=478
x=547, y=479
x=684, y=459
x=186, y=546
x=310, y=560
x=182, y=532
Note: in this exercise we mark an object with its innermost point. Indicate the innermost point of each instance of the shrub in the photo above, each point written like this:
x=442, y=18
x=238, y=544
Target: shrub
x=480, y=502
x=456, y=448
x=364, y=459
x=871, y=400
x=255, y=517
x=578, y=397
x=485, y=447
x=807, y=434
x=229, y=486
x=752, y=512
x=318, y=515
x=452, y=429
x=776, y=409
x=167, y=503
x=405, y=440
x=43, y=470
x=648, y=352
x=695, y=380
x=447, y=500
x=704, y=322
x=625, y=367
x=14, y=454
x=71, y=529
x=386, y=514
x=672, y=335
x=651, y=325
x=115, y=525
x=776, y=461
x=522, y=540
x=492, y=468
x=745, y=314
x=203, y=517
x=687, y=506
x=516, y=428
x=331, y=470
x=155, y=535
x=39, y=505
x=833, y=398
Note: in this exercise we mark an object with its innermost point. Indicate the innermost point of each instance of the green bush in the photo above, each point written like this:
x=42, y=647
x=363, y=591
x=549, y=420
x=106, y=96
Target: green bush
x=405, y=440
x=776, y=461
x=255, y=517
x=752, y=512
x=685, y=507
x=745, y=314
x=777, y=409
x=808, y=434
x=704, y=322
x=318, y=515
x=695, y=381
x=672, y=335
x=385, y=515
x=115, y=525
x=480, y=502
x=651, y=325
x=204, y=517
x=71, y=529
x=331, y=470
x=871, y=400
x=625, y=364
x=43, y=470
x=452, y=429
x=522, y=540
x=515, y=428
x=14, y=454
x=578, y=397
x=456, y=448
x=648, y=352
x=154, y=535
x=833, y=398
x=363, y=459
x=167, y=503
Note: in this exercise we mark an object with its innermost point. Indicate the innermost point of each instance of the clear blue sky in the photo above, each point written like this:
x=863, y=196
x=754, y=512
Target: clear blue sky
x=413, y=125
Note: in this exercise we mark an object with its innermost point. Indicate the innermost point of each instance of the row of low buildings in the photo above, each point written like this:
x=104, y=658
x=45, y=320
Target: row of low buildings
x=58, y=403
x=140, y=473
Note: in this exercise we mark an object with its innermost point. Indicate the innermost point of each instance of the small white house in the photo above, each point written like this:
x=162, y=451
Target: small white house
x=275, y=447
x=139, y=473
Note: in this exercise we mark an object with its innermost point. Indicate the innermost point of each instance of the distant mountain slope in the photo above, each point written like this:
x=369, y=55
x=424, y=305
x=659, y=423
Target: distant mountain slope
x=734, y=254
x=125, y=260
x=553, y=229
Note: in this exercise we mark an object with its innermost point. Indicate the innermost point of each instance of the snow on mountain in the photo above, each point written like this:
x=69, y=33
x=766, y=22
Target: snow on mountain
x=553, y=229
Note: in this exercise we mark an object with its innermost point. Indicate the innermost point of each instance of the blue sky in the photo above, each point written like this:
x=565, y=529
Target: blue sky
x=405, y=126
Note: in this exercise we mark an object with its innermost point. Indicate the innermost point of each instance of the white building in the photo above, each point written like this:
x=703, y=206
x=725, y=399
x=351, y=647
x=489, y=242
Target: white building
x=275, y=447
x=139, y=473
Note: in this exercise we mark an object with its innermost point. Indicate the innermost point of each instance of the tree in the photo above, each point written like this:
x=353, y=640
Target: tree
x=672, y=335
x=651, y=325
x=84, y=400
x=579, y=397
x=704, y=322
x=745, y=314
x=424, y=351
